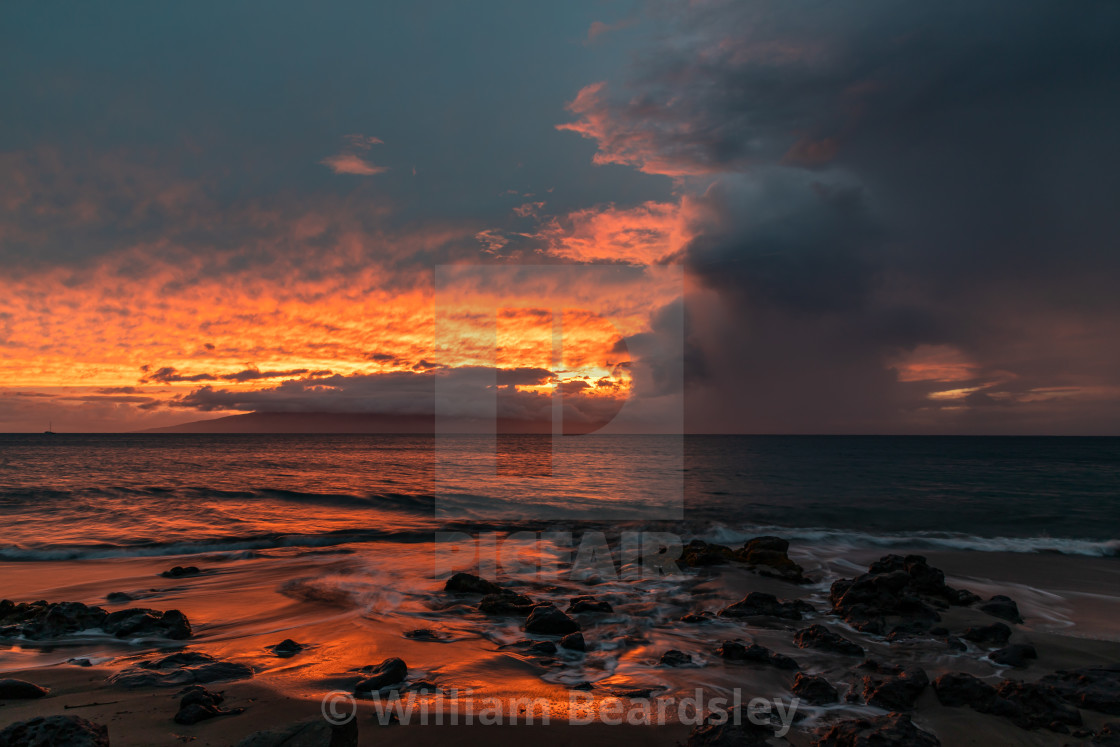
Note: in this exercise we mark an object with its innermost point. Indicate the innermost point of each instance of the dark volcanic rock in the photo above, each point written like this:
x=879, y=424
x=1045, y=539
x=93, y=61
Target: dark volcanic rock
x=543, y=648
x=20, y=690
x=1015, y=655
x=141, y=622
x=548, y=620
x=1093, y=688
x=729, y=734
x=392, y=671
x=466, y=583
x=761, y=604
x=506, y=603
x=183, y=668
x=892, y=730
x=1034, y=705
x=574, y=642
x=1002, y=607
x=286, y=648
x=675, y=658
x=960, y=689
x=1029, y=705
x=588, y=604
x=995, y=634
x=768, y=556
x=181, y=572
x=820, y=637
x=896, y=595
x=199, y=704
x=693, y=618
x=55, y=731
x=814, y=690
x=423, y=634
x=897, y=693
x=699, y=553
x=1108, y=736
x=313, y=733
x=738, y=651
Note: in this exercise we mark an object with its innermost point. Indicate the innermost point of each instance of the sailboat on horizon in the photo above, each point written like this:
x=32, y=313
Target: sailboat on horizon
x=50, y=428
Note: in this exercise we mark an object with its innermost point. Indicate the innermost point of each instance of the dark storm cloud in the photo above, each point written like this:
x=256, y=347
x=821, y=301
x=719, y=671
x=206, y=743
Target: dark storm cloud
x=889, y=178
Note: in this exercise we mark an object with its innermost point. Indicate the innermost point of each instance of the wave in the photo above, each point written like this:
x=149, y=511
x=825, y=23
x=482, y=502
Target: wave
x=844, y=539
x=389, y=500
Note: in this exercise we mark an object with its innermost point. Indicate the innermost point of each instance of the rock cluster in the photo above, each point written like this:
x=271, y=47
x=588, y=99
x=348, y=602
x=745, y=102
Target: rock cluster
x=767, y=556
x=183, y=668
x=898, y=595
x=820, y=637
x=892, y=730
x=43, y=620
x=756, y=654
x=1029, y=705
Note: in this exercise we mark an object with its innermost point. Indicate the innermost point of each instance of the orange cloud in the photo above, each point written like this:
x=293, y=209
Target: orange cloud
x=348, y=163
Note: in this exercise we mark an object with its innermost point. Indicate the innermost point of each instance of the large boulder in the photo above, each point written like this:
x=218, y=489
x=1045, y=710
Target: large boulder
x=314, y=733
x=11, y=689
x=892, y=730
x=1093, y=688
x=55, y=731
x=898, y=595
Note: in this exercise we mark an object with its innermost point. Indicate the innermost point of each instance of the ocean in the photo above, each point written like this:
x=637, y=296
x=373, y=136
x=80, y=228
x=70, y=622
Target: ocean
x=112, y=495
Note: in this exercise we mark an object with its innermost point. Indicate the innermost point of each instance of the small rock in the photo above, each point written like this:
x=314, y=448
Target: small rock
x=820, y=637
x=181, y=571
x=199, y=704
x=548, y=620
x=588, y=604
x=422, y=634
x=466, y=583
x=675, y=658
x=692, y=618
x=543, y=648
x=761, y=604
x=814, y=690
x=768, y=556
x=1002, y=607
x=392, y=671
x=183, y=668
x=698, y=553
x=892, y=730
x=80, y=662
x=994, y=634
x=505, y=603
x=1015, y=655
x=50, y=731
x=753, y=653
x=960, y=689
x=574, y=642
x=1108, y=736
x=118, y=597
x=286, y=648
x=11, y=689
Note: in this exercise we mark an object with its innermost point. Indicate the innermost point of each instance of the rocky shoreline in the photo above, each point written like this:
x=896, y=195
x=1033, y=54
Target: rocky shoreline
x=877, y=658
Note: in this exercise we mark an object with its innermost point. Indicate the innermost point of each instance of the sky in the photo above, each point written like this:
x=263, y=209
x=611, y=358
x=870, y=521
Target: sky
x=880, y=217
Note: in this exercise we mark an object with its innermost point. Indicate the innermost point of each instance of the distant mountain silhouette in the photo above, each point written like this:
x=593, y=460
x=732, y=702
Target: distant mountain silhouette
x=331, y=422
